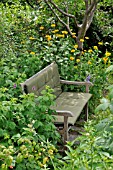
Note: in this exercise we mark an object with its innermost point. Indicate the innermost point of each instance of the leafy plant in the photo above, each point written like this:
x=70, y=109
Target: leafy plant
x=27, y=151
x=16, y=114
x=88, y=154
x=108, y=101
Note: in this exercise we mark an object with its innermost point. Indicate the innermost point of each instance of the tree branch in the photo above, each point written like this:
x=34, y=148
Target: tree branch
x=87, y=18
x=64, y=13
x=67, y=26
x=90, y=18
x=91, y=7
x=67, y=13
x=86, y=3
x=89, y=11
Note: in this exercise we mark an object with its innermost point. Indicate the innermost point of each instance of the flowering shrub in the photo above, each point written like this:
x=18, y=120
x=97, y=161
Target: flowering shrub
x=24, y=130
x=28, y=151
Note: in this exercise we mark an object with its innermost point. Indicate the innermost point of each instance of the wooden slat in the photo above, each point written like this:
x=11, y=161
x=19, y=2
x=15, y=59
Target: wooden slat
x=86, y=112
x=76, y=82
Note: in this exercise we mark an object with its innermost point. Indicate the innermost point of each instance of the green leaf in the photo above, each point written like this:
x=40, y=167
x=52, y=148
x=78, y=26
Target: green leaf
x=38, y=124
x=82, y=168
x=103, y=106
x=20, y=166
x=111, y=94
x=19, y=158
x=104, y=100
x=111, y=106
x=110, y=68
x=9, y=160
x=100, y=126
x=98, y=108
x=1, y=132
x=4, y=167
x=11, y=125
x=17, y=136
x=109, y=87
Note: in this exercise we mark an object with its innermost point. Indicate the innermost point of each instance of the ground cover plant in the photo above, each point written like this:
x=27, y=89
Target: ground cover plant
x=29, y=42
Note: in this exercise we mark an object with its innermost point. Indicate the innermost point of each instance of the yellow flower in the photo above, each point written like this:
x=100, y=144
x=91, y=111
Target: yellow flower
x=76, y=46
x=86, y=38
x=45, y=160
x=81, y=40
x=95, y=48
x=73, y=33
x=105, y=59
x=73, y=36
x=64, y=32
x=41, y=28
x=100, y=43
x=48, y=37
x=72, y=50
x=31, y=38
x=55, y=31
x=32, y=52
x=90, y=50
x=78, y=60
x=84, y=50
x=72, y=58
x=107, y=54
x=50, y=151
x=89, y=62
x=53, y=25
x=60, y=35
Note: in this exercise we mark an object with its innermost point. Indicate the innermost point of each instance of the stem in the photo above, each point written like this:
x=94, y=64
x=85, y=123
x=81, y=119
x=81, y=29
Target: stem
x=91, y=156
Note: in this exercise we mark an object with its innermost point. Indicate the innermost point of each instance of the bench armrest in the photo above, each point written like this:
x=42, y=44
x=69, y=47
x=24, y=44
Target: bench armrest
x=83, y=83
x=66, y=115
x=63, y=113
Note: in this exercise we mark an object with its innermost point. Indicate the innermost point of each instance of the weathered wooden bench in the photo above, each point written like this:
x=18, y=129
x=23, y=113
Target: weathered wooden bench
x=68, y=105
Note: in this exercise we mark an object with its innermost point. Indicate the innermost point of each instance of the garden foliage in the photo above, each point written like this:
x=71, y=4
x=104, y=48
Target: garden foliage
x=28, y=138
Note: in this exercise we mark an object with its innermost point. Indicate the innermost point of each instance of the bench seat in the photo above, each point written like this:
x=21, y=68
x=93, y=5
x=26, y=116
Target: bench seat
x=70, y=102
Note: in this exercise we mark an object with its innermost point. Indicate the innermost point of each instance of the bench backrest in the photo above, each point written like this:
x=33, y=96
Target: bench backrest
x=48, y=76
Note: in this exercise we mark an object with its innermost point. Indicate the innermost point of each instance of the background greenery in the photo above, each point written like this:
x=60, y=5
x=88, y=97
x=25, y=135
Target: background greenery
x=30, y=40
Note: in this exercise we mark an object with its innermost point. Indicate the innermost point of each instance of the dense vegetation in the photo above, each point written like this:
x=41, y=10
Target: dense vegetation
x=30, y=40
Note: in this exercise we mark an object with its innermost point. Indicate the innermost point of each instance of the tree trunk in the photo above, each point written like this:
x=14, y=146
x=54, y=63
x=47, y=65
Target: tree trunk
x=79, y=43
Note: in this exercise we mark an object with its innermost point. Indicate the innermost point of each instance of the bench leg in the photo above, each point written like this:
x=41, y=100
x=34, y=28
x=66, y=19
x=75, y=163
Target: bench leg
x=65, y=129
x=86, y=112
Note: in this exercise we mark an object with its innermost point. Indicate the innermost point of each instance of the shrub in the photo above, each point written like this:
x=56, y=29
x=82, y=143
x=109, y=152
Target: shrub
x=27, y=151
x=16, y=114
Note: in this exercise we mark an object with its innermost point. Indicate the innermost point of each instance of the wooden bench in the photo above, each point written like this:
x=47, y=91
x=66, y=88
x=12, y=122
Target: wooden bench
x=68, y=105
